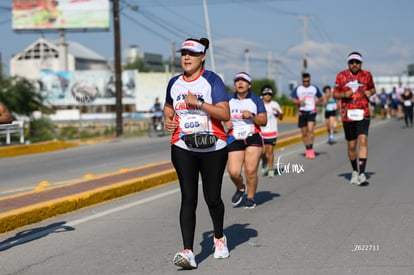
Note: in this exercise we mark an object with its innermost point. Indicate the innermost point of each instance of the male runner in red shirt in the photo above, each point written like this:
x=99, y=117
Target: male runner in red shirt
x=354, y=87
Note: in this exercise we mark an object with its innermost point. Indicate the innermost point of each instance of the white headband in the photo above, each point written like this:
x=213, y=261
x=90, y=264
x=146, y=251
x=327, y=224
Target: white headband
x=192, y=46
x=355, y=57
x=243, y=76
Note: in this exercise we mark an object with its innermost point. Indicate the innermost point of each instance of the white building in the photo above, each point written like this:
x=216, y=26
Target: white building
x=389, y=82
x=44, y=54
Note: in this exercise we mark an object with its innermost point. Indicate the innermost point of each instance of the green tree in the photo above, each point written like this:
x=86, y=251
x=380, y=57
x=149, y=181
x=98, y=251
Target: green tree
x=21, y=97
x=257, y=85
x=138, y=64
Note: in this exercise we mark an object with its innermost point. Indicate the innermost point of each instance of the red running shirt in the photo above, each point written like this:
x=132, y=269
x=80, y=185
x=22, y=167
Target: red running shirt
x=358, y=84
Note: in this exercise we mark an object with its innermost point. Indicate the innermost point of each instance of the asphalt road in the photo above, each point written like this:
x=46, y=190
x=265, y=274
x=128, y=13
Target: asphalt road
x=24, y=173
x=308, y=221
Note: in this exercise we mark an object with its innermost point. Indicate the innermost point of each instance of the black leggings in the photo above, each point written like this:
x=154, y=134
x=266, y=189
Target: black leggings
x=211, y=166
x=408, y=115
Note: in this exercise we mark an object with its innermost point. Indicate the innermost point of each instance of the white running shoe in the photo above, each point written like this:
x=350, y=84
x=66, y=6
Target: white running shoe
x=220, y=248
x=354, y=178
x=185, y=259
x=362, y=179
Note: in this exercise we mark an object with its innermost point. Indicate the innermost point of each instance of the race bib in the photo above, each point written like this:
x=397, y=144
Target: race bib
x=355, y=114
x=243, y=132
x=194, y=124
x=407, y=103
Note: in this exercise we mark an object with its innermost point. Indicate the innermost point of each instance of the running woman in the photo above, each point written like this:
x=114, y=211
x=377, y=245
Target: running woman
x=307, y=96
x=407, y=102
x=330, y=113
x=354, y=87
x=195, y=106
x=270, y=130
x=245, y=143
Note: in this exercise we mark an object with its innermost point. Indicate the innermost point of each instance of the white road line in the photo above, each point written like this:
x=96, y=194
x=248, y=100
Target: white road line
x=123, y=207
x=30, y=237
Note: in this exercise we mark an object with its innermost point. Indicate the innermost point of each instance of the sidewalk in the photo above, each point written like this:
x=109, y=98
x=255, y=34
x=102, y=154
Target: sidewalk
x=31, y=207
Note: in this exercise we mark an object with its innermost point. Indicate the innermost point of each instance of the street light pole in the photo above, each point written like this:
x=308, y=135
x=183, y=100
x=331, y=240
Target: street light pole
x=118, y=71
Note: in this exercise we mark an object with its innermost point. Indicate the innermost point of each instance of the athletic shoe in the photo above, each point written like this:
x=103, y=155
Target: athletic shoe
x=307, y=153
x=185, y=259
x=220, y=248
x=249, y=204
x=238, y=196
x=311, y=154
x=354, y=178
x=362, y=179
x=271, y=173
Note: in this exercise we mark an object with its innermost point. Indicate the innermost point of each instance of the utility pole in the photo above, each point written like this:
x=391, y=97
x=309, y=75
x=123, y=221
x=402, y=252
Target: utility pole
x=269, y=65
x=172, y=59
x=246, y=55
x=118, y=71
x=305, y=38
x=213, y=64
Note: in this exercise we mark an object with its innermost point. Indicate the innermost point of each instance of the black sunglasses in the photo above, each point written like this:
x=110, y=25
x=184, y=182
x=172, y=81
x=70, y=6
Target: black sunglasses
x=354, y=62
x=190, y=53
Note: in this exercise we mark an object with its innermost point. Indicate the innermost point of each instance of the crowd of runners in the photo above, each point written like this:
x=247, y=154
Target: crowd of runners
x=213, y=132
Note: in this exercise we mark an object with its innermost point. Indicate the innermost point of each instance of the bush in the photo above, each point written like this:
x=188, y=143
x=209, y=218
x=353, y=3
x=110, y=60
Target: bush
x=41, y=130
x=69, y=132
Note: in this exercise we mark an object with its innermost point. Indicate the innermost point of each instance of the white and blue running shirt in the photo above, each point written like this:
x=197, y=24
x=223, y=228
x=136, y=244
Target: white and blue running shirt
x=251, y=103
x=191, y=119
x=309, y=93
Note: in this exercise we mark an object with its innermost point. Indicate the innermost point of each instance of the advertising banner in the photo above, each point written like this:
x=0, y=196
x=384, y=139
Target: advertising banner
x=60, y=14
x=86, y=87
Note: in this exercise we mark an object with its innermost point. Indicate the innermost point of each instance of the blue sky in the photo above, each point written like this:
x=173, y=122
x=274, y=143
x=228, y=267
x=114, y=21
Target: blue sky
x=380, y=30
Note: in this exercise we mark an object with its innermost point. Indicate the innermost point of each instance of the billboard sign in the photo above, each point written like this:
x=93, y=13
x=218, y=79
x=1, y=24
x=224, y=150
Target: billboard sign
x=86, y=87
x=60, y=14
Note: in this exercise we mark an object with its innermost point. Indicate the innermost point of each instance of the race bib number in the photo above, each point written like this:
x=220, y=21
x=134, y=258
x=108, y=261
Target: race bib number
x=243, y=132
x=355, y=114
x=407, y=103
x=194, y=124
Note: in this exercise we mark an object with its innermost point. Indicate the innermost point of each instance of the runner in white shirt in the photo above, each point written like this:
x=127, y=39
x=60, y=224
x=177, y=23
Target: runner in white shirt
x=245, y=143
x=270, y=130
x=307, y=96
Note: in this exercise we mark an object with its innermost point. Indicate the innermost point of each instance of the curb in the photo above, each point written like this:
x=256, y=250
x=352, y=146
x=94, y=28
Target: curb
x=13, y=219
x=16, y=218
x=288, y=141
x=42, y=147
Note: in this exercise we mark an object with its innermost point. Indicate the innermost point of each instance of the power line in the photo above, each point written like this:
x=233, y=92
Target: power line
x=146, y=27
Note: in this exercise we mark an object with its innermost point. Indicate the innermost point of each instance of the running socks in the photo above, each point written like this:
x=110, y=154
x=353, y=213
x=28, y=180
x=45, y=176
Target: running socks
x=354, y=165
x=310, y=146
x=362, y=164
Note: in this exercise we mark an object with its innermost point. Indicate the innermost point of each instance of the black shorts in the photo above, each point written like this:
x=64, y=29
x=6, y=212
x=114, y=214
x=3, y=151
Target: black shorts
x=330, y=113
x=271, y=141
x=305, y=117
x=353, y=129
x=241, y=144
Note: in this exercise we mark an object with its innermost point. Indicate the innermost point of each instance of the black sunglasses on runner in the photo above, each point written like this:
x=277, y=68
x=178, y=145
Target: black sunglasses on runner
x=354, y=62
x=190, y=53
